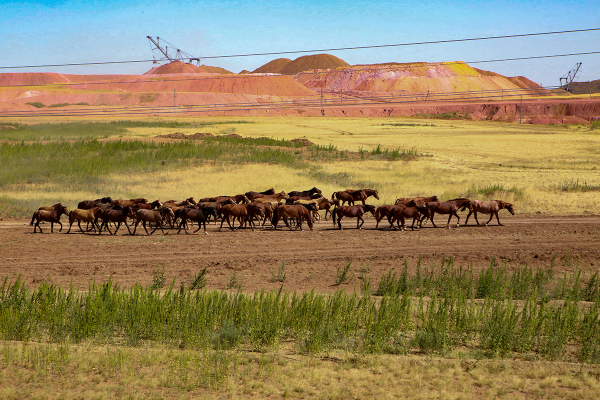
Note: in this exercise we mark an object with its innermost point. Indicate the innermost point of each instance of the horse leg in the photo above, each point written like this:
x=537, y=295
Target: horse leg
x=449, y=218
x=468, y=215
x=339, y=222
x=489, y=220
x=458, y=219
x=498, y=219
x=431, y=218
x=181, y=225
x=37, y=224
x=358, y=220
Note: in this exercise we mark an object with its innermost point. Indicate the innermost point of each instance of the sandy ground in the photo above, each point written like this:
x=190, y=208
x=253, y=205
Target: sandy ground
x=311, y=257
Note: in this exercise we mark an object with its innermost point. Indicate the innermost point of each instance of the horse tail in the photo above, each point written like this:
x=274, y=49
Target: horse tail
x=70, y=220
x=333, y=195
x=333, y=214
x=32, y=219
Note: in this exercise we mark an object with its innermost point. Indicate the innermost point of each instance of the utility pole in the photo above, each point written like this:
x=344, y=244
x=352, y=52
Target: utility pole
x=322, y=110
x=521, y=109
x=174, y=102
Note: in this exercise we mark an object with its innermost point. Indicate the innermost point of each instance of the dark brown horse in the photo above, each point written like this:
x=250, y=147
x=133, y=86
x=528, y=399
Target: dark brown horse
x=352, y=212
x=298, y=212
x=46, y=208
x=489, y=207
x=199, y=215
x=116, y=216
x=350, y=197
x=49, y=216
x=305, y=193
x=444, y=207
x=272, y=197
x=253, y=195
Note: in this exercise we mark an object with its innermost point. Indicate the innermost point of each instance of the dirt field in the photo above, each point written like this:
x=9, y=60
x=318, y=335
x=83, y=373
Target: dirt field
x=311, y=257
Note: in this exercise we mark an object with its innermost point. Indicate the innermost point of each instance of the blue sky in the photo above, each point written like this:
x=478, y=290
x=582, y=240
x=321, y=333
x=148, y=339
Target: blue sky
x=64, y=32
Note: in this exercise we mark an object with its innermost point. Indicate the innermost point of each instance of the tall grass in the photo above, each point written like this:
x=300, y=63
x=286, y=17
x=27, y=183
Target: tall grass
x=498, y=311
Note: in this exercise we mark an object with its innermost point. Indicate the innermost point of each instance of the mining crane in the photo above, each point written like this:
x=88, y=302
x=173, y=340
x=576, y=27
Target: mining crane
x=569, y=78
x=180, y=55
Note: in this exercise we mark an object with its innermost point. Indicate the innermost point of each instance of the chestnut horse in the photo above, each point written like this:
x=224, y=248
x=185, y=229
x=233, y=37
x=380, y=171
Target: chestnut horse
x=90, y=215
x=444, y=207
x=489, y=207
x=295, y=211
x=48, y=216
x=352, y=212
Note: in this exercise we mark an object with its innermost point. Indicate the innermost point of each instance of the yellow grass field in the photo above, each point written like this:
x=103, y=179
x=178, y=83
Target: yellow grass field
x=460, y=157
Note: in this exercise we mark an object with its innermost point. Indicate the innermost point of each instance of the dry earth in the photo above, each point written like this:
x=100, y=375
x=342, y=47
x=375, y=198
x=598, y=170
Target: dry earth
x=311, y=257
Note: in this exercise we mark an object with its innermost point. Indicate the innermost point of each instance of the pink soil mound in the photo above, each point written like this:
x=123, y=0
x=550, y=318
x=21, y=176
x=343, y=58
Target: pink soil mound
x=318, y=61
x=273, y=67
x=31, y=78
x=178, y=67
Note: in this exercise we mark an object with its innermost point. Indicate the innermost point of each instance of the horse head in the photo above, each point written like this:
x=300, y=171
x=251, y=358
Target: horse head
x=369, y=208
x=507, y=206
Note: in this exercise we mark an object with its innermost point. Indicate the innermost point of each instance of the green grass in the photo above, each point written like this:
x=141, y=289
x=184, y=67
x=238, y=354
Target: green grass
x=501, y=311
x=93, y=130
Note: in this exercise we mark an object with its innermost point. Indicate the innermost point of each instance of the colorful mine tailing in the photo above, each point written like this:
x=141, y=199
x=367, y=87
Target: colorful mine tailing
x=412, y=78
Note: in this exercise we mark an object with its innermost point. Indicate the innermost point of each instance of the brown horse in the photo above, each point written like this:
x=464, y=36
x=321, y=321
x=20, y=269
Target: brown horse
x=48, y=216
x=350, y=197
x=405, y=200
x=322, y=204
x=445, y=207
x=117, y=216
x=400, y=212
x=352, y=212
x=79, y=215
x=152, y=216
x=298, y=212
x=489, y=207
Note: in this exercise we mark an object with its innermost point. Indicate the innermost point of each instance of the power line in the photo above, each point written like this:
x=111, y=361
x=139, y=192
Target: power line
x=370, y=67
x=319, y=50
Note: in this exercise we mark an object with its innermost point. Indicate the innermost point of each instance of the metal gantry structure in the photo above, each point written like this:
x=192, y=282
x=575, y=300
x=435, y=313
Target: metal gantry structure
x=565, y=81
x=180, y=55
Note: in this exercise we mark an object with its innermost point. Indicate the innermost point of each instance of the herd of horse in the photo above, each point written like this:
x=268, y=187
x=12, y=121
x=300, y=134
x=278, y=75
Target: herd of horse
x=258, y=208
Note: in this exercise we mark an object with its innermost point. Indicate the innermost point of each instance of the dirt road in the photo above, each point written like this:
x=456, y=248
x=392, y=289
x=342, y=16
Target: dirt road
x=311, y=257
